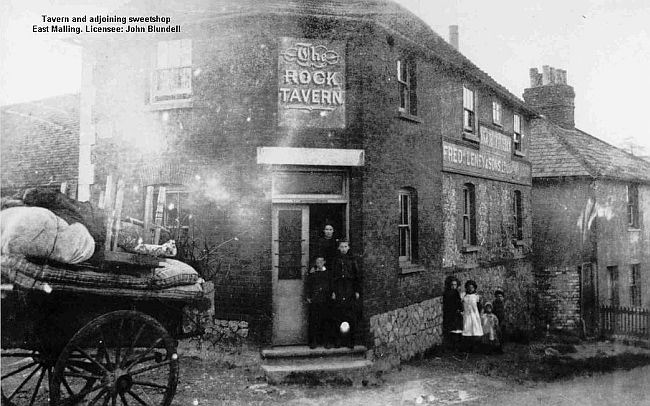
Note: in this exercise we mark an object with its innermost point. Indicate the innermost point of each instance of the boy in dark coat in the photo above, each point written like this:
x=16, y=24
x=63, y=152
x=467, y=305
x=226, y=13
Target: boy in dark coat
x=346, y=285
x=319, y=293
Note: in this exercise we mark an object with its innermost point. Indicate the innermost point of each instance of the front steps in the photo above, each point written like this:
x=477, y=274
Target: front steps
x=299, y=364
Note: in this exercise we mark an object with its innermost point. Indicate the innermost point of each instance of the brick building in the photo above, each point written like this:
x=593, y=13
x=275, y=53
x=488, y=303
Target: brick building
x=40, y=144
x=591, y=205
x=307, y=112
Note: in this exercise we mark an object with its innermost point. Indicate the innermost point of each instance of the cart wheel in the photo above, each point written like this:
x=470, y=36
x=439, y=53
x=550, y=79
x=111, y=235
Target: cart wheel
x=25, y=375
x=123, y=356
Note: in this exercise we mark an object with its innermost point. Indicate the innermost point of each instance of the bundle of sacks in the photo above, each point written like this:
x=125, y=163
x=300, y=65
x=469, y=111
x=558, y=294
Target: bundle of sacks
x=47, y=224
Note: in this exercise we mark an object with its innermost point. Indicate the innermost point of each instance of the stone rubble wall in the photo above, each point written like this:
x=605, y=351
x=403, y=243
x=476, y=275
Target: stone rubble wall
x=404, y=333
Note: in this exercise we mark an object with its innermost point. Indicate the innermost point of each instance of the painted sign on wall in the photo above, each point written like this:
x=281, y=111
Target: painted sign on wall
x=311, y=83
x=493, y=160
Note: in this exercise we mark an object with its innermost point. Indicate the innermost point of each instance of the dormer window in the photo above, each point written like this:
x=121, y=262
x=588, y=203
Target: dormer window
x=172, y=77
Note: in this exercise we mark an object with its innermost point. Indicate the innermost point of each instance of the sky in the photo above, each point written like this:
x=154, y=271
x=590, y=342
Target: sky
x=603, y=45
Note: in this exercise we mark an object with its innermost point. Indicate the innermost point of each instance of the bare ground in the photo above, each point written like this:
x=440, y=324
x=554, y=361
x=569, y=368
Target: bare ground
x=227, y=377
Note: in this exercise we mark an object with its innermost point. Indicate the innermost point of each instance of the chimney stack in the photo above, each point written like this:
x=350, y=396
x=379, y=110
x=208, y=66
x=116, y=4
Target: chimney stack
x=550, y=94
x=453, y=36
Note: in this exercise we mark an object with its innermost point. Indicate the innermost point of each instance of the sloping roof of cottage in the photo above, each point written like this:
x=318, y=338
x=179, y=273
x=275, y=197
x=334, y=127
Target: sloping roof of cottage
x=40, y=143
x=386, y=13
x=559, y=152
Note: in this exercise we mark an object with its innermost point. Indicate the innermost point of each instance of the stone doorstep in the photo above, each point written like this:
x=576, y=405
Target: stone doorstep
x=303, y=351
x=320, y=368
x=296, y=363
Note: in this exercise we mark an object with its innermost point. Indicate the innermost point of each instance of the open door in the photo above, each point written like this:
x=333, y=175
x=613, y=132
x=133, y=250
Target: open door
x=290, y=261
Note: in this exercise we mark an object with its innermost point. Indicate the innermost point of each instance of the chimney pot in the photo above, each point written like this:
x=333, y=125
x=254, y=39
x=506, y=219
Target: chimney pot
x=453, y=36
x=546, y=75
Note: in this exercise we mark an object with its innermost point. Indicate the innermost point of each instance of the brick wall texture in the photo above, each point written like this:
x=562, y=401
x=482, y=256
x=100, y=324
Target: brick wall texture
x=234, y=111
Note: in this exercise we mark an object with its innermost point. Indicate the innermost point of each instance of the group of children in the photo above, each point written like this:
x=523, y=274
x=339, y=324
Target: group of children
x=468, y=323
x=332, y=291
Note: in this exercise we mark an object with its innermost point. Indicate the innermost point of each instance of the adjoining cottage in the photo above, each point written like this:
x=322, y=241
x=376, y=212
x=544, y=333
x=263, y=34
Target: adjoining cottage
x=259, y=122
x=591, y=211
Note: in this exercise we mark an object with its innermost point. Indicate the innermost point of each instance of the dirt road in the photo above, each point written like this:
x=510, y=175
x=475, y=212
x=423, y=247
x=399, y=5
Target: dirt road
x=584, y=374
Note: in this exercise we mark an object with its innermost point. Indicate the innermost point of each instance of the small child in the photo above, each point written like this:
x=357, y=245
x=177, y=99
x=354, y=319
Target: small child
x=319, y=290
x=499, y=310
x=490, y=324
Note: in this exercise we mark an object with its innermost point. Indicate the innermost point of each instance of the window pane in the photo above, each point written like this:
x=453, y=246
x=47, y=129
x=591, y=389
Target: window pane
x=307, y=183
x=289, y=244
x=404, y=242
x=162, y=55
x=186, y=52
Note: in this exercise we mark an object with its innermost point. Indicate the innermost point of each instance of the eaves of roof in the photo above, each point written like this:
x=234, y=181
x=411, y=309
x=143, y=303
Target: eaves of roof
x=386, y=13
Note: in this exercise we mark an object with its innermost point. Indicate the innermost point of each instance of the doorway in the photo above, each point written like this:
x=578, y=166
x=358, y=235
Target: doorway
x=296, y=228
x=588, y=298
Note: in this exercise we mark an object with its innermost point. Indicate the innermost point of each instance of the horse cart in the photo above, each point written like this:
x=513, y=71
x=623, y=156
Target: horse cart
x=93, y=333
x=67, y=344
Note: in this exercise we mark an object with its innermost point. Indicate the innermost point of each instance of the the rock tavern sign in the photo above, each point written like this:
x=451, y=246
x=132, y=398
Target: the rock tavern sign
x=311, y=83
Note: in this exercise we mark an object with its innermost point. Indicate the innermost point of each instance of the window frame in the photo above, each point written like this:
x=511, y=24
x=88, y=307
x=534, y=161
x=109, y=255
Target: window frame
x=518, y=216
x=469, y=110
x=632, y=193
x=175, y=57
x=636, y=291
x=517, y=133
x=180, y=192
x=407, y=227
x=497, y=113
x=407, y=83
x=469, y=215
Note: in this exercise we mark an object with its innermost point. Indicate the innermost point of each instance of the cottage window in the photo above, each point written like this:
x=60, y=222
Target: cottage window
x=173, y=73
x=518, y=217
x=612, y=282
x=173, y=211
x=635, y=285
x=633, y=206
x=516, y=135
x=407, y=227
x=469, y=115
x=406, y=77
x=496, y=113
x=469, y=215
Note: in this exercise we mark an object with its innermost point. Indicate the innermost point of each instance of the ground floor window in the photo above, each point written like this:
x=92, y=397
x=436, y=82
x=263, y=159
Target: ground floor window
x=469, y=214
x=407, y=227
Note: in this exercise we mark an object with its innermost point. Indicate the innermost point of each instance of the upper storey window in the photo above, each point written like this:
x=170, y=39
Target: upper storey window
x=516, y=135
x=406, y=77
x=633, y=206
x=173, y=74
x=469, y=110
x=496, y=113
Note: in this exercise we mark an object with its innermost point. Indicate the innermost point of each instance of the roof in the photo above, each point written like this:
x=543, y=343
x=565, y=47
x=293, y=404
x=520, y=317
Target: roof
x=40, y=142
x=558, y=152
x=386, y=13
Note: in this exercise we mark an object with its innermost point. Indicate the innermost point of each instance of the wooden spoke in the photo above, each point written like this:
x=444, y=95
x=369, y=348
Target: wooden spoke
x=127, y=344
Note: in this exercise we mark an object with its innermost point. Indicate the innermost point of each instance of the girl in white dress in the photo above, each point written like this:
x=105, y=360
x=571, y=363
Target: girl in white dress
x=472, y=328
